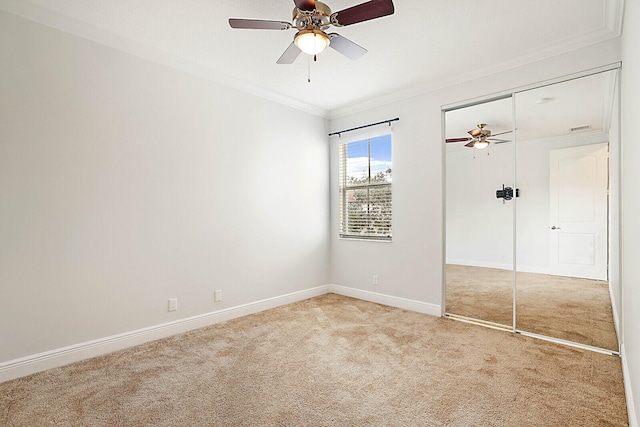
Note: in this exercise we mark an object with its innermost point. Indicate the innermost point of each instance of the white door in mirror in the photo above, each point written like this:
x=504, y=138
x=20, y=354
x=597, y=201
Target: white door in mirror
x=578, y=211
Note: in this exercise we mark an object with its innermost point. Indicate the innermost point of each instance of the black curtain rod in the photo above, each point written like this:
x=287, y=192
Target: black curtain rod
x=365, y=126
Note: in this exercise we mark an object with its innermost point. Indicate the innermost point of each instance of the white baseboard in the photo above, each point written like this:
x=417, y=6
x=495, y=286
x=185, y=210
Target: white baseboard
x=63, y=356
x=59, y=357
x=498, y=266
x=631, y=410
x=521, y=268
x=472, y=263
x=407, y=304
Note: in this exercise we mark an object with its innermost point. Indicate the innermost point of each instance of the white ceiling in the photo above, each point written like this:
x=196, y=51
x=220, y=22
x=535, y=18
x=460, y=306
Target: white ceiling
x=423, y=46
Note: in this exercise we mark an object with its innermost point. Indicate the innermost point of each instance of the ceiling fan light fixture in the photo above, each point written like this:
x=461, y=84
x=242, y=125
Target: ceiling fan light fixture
x=311, y=41
x=481, y=143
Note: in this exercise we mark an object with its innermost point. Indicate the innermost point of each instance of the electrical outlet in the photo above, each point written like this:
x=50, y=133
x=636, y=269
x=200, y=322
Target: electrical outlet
x=217, y=295
x=173, y=304
x=375, y=279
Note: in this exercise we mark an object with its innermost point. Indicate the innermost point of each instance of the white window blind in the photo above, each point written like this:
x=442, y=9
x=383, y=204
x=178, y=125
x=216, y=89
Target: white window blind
x=365, y=189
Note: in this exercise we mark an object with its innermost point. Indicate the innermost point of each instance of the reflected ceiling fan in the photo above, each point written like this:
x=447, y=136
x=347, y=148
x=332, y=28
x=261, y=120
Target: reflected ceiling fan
x=480, y=138
x=312, y=19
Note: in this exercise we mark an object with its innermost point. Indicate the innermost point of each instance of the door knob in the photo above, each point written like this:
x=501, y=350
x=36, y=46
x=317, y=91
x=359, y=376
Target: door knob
x=553, y=227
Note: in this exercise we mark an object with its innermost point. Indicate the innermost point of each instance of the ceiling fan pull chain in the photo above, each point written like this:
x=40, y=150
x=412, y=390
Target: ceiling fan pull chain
x=308, y=69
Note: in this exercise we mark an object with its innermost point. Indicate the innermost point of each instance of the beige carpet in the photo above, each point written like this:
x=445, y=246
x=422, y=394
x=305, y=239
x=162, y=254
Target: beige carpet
x=572, y=309
x=328, y=361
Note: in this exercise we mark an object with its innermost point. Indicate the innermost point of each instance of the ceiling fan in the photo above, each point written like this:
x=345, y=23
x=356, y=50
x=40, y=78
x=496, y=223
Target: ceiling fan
x=480, y=138
x=312, y=19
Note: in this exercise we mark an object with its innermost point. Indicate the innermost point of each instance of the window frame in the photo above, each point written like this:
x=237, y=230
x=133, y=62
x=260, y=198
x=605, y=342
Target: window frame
x=344, y=189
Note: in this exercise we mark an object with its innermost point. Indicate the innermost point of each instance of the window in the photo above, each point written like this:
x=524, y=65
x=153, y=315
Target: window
x=365, y=189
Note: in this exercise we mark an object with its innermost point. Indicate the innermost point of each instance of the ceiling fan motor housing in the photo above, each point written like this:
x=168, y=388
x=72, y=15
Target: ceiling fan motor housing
x=319, y=18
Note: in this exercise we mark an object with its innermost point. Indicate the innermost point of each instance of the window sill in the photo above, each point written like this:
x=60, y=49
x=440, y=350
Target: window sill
x=365, y=239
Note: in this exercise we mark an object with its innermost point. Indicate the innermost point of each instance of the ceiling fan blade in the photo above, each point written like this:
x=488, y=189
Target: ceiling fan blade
x=471, y=144
x=258, y=24
x=501, y=133
x=346, y=47
x=305, y=4
x=289, y=55
x=458, y=140
x=475, y=132
x=499, y=141
x=363, y=12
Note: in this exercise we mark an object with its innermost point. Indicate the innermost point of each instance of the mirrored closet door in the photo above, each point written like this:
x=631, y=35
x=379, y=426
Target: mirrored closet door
x=479, y=226
x=564, y=229
x=532, y=217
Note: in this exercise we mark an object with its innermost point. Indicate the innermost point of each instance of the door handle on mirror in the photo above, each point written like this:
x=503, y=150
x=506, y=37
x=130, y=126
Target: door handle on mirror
x=553, y=227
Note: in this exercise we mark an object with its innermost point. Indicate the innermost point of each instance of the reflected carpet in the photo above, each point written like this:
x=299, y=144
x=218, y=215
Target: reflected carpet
x=568, y=308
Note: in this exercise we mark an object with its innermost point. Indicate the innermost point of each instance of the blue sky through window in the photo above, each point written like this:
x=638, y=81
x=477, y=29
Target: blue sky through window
x=357, y=157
